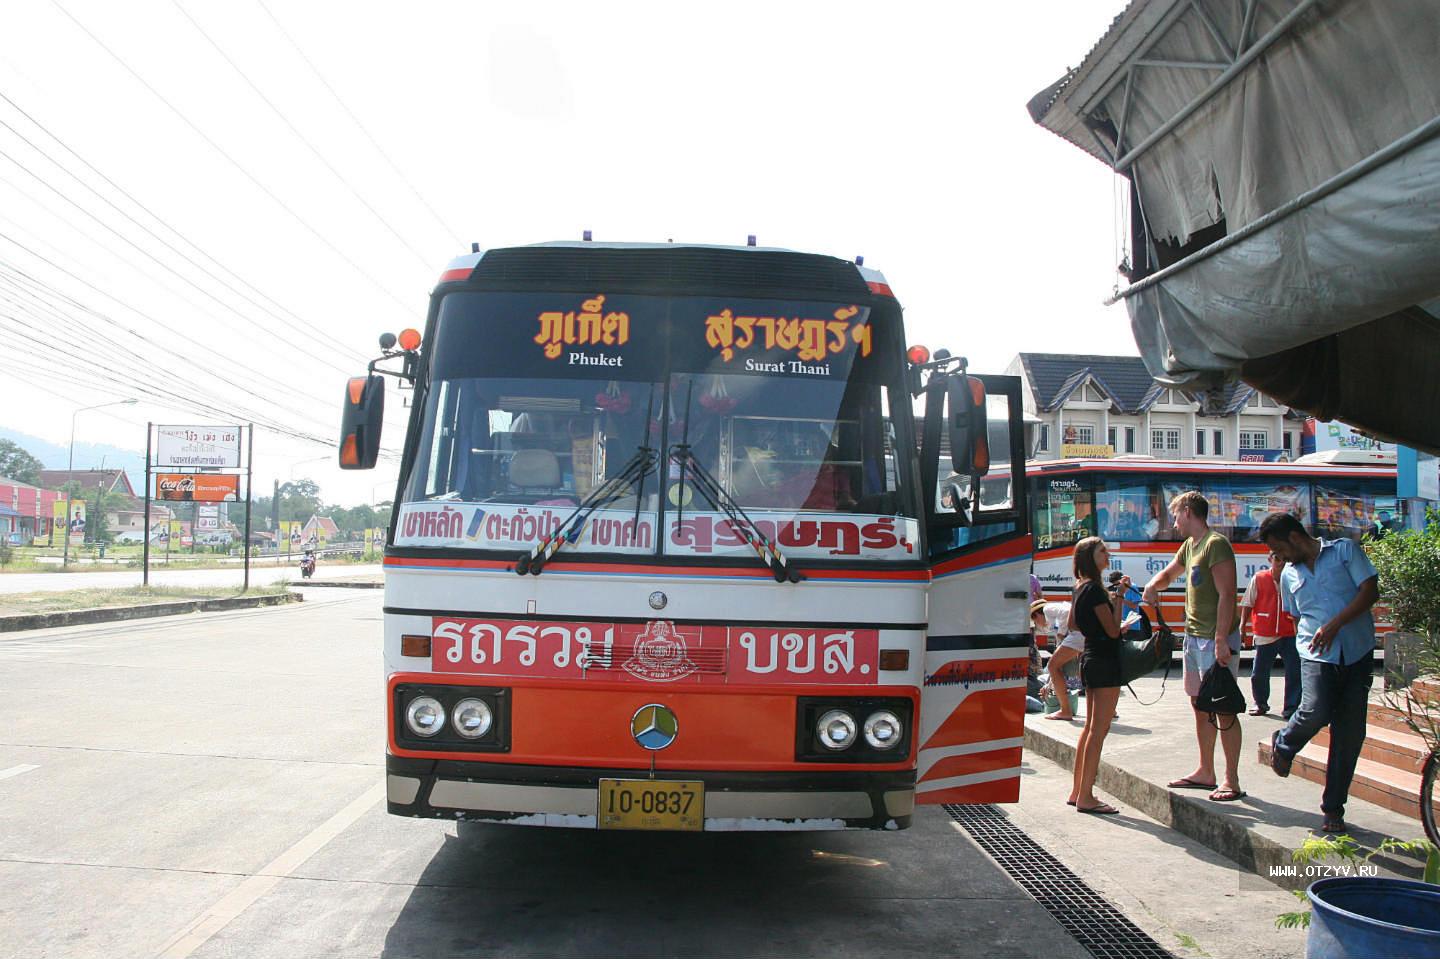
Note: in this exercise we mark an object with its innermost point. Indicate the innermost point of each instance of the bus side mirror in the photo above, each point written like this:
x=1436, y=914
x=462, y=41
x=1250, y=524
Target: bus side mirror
x=360, y=422
x=966, y=426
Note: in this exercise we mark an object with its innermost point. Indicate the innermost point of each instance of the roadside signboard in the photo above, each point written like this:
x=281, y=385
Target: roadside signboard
x=77, y=522
x=193, y=447
x=197, y=487
x=207, y=518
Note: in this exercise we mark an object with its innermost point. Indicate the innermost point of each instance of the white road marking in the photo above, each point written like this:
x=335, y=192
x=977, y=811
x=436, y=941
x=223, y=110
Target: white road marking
x=243, y=896
x=16, y=770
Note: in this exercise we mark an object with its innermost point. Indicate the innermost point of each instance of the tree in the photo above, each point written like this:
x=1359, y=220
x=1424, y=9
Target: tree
x=299, y=500
x=17, y=464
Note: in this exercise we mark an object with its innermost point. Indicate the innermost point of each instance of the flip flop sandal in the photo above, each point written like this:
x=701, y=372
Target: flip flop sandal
x=1227, y=795
x=1104, y=809
x=1188, y=783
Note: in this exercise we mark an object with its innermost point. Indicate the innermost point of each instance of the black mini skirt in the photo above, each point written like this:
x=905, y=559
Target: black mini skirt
x=1099, y=672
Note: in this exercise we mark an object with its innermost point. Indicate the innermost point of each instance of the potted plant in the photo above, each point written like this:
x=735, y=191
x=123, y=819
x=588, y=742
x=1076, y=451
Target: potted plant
x=1355, y=912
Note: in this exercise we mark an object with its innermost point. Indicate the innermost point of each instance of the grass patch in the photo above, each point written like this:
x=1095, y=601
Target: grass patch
x=60, y=601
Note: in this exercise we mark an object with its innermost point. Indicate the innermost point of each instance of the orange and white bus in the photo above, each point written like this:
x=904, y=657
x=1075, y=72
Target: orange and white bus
x=1125, y=502
x=661, y=558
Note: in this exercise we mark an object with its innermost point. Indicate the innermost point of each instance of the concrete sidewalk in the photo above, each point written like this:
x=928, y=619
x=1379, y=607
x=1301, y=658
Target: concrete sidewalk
x=1149, y=746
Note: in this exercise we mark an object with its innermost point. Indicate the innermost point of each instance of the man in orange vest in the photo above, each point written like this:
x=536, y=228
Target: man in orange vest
x=1273, y=631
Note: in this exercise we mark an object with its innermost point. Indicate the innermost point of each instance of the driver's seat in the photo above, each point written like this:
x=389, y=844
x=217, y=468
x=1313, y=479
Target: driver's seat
x=535, y=470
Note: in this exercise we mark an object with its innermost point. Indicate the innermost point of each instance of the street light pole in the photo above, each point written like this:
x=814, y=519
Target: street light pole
x=70, y=469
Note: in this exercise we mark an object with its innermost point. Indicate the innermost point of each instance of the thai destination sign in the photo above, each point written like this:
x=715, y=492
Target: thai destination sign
x=196, y=447
x=808, y=535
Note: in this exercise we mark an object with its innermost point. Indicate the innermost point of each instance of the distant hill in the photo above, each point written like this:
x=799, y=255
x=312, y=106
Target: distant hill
x=87, y=455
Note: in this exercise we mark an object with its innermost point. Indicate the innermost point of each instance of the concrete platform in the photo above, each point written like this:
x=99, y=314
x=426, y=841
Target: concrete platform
x=1150, y=745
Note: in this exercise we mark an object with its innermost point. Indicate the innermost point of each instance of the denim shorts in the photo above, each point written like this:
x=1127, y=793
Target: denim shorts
x=1200, y=656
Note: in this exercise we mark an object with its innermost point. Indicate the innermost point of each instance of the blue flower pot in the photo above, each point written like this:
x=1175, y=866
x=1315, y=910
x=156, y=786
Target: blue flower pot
x=1371, y=917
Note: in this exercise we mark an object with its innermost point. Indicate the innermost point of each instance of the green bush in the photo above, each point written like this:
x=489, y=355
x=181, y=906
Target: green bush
x=1409, y=566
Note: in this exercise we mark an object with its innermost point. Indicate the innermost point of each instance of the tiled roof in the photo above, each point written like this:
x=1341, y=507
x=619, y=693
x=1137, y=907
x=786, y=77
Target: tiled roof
x=1054, y=376
x=88, y=479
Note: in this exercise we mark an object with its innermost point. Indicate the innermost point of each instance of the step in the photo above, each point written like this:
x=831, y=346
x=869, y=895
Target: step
x=1380, y=715
x=1394, y=789
x=1389, y=747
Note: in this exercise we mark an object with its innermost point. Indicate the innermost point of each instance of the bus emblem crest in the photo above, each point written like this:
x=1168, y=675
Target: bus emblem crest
x=659, y=655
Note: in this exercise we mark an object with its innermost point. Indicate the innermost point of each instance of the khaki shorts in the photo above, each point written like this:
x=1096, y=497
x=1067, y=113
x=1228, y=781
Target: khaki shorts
x=1200, y=656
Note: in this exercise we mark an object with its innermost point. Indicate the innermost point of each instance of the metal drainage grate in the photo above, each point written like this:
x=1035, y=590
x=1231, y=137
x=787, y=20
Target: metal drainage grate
x=1093, y=922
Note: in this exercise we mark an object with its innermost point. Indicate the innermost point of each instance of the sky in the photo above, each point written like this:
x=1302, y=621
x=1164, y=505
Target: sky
x=227, y=203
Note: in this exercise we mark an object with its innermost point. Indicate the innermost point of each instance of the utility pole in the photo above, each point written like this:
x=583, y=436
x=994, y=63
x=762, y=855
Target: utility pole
x=145, y=575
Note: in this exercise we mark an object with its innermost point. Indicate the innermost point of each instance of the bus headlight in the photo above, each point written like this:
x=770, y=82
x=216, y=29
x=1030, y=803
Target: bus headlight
x=836, y=730
x=472, y=718
x=883, y=730
x=425, y=716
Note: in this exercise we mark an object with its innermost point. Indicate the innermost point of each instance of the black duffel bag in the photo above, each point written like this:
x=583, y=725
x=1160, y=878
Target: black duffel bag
x=1141, y=657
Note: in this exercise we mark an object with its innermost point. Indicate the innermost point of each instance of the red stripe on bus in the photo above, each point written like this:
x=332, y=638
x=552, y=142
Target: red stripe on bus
x=982, y=716
x=971, y=763
x=881, y=289
x=599, y=569
x=995, y=791
x=1011, y=549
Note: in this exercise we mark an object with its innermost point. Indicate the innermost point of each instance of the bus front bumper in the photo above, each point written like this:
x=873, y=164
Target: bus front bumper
x=565, y=796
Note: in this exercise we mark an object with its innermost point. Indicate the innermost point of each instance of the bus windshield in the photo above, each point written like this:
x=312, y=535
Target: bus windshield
x=534, y=401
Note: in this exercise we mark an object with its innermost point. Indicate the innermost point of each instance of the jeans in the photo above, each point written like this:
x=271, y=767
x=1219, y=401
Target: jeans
x=1284, y=647
x=1334, y=696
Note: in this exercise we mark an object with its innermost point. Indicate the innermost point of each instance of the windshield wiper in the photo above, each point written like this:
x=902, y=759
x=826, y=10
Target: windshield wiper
x=640, y=465
x=742, y=524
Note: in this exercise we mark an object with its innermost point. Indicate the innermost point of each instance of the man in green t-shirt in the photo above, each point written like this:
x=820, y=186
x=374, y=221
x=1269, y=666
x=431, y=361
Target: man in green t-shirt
x=1207, y=562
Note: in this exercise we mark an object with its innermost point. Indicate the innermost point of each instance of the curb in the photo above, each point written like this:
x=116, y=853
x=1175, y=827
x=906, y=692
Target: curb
x=1226, y=835
x=86, y=617
x=337, y=584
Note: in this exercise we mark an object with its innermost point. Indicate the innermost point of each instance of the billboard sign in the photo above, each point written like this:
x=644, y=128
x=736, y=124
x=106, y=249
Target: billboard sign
x=77, y=522
x=191, y=447
x=197, y=487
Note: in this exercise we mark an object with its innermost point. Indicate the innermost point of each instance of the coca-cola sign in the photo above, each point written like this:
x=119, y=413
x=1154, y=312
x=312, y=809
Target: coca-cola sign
x=658, y=651
x=197, y=487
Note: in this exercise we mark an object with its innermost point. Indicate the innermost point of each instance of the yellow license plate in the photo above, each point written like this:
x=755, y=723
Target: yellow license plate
x=651, y=804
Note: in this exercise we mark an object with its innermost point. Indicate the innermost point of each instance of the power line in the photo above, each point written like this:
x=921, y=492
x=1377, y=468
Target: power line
x=356, y=120
x=158, y=262
x=194, y=395
x=424, y=261
x=233, y=162
x=53, y=292
x=247, y=390
x=193, y=390
x=244, y=368
x=320, y=334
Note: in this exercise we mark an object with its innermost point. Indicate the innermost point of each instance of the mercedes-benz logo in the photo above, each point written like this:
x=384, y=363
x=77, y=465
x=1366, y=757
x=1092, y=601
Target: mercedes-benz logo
x=658, y=600
x=654, y=726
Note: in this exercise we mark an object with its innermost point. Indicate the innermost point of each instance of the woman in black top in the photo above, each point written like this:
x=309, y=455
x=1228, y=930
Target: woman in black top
x=1096, y=614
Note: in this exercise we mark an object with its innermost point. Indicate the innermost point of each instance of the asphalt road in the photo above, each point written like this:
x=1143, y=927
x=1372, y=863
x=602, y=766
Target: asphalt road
x=211, y=786
x=160, y=576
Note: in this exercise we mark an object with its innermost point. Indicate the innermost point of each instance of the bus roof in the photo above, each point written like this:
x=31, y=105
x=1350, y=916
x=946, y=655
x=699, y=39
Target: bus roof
x=1201, y=467
x=461, y=267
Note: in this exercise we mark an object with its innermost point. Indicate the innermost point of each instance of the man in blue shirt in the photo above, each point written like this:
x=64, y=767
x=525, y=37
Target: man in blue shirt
x=1328, y=587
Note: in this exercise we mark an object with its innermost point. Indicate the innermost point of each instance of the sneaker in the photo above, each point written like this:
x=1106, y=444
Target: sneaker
x=1279, y=762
